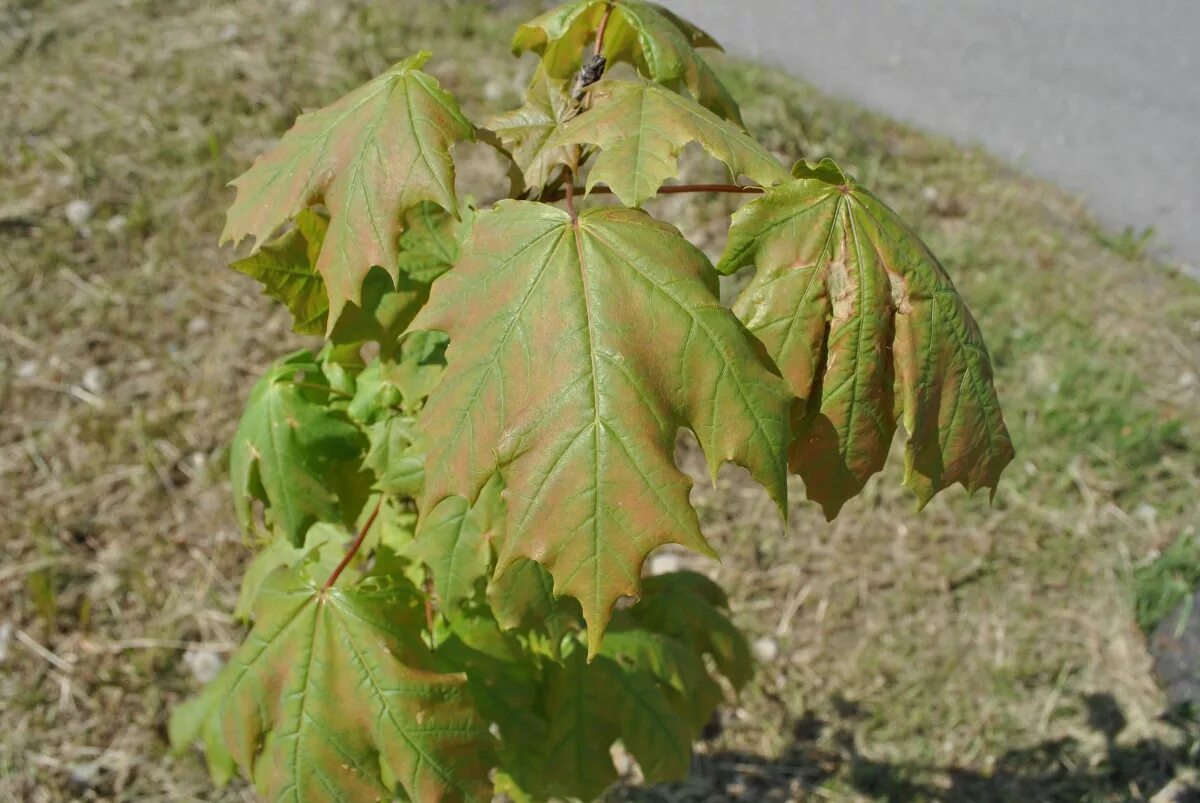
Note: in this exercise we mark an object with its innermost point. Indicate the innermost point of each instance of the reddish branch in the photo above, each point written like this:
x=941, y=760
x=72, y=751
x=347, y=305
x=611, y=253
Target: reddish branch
x=671, y=189
x=602, y=28
x=354, y=547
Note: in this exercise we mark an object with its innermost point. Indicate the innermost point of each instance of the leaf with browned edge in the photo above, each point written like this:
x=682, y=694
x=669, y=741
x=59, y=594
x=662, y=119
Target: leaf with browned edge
x=866, y=326
x=333, y=696
x=553, y=376
x=641, y=128
x=377, y=152
x=658, y=43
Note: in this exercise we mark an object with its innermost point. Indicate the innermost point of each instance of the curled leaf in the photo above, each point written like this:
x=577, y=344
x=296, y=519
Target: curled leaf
x=867, y=327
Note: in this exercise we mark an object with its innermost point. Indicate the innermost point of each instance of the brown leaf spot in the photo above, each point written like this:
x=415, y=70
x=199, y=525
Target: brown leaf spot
x=841, y=291
x=899, y=292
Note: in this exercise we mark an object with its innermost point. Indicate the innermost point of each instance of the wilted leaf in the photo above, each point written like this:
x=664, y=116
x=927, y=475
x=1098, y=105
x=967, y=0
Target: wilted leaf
x=286, y=446
x=334, y=697
x=866, y=326
x=552, y=379
x=641, y=128
x=658, y=43
x=377, y=152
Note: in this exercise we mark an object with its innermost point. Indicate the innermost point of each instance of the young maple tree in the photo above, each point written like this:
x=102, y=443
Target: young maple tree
x=445, y=528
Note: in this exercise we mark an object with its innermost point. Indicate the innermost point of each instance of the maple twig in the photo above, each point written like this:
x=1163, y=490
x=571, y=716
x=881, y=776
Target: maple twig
x=672, y=189
x=428, y=587
x=602, y=27
x=354, y=547
x=570, y=196
x=326, y=388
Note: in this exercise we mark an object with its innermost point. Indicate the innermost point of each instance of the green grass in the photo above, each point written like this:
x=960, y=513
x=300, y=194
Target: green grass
x=1161, y=585
x=970, y=652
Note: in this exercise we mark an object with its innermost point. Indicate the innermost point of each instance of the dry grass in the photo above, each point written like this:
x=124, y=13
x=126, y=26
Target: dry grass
x=966, y=653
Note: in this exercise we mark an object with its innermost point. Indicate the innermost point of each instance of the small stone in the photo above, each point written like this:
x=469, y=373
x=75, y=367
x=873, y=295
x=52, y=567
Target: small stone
x=1146, y=513
x=493, y=90
x=663, y=563
x=83, y=776
x=116, y=224
x=27, y=370
x=198, y=326
x=1188, y=379
x=765, y=649
x=205, y=665
x=93, y=380
x=79, y=212
x=930, y=194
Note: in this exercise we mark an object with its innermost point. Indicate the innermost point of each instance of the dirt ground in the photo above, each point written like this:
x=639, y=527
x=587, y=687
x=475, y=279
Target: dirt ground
x=971, y=652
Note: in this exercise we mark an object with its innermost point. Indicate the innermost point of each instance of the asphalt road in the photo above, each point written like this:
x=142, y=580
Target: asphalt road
x=1102, y=96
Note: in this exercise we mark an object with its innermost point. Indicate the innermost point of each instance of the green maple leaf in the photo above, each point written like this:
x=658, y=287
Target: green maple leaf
x=649, y=689
x=334, y=697
x=658, y=43
x=369, y=157
x=552, y=379
x=320, y=541
x=528, y=130
x=641, y=128
x=396, y=455
x=691, y=608
x=288, y=445
x=866, y=326
x=454, y=541
x=286, y=267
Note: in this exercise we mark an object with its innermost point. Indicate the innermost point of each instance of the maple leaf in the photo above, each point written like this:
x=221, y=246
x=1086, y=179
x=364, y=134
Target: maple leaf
x=641, y=128
x=380, y=150
x=650, y=689
x=529, y=129
x=691, y=608
x=333, y=696
x=657, y=42
x=866, y=326
x=286, y=267
x=287, y=447
x=396, y=455
x=552, y=379
x=454, y=541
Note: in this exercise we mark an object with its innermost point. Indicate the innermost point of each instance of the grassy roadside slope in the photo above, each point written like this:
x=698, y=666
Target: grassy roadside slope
x=971, y=652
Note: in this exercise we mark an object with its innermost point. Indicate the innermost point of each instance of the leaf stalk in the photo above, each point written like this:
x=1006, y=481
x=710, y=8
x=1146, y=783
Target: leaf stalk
x=354, y=547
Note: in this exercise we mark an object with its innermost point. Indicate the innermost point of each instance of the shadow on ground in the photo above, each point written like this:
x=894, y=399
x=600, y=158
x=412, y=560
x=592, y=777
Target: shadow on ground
x=825, y=757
